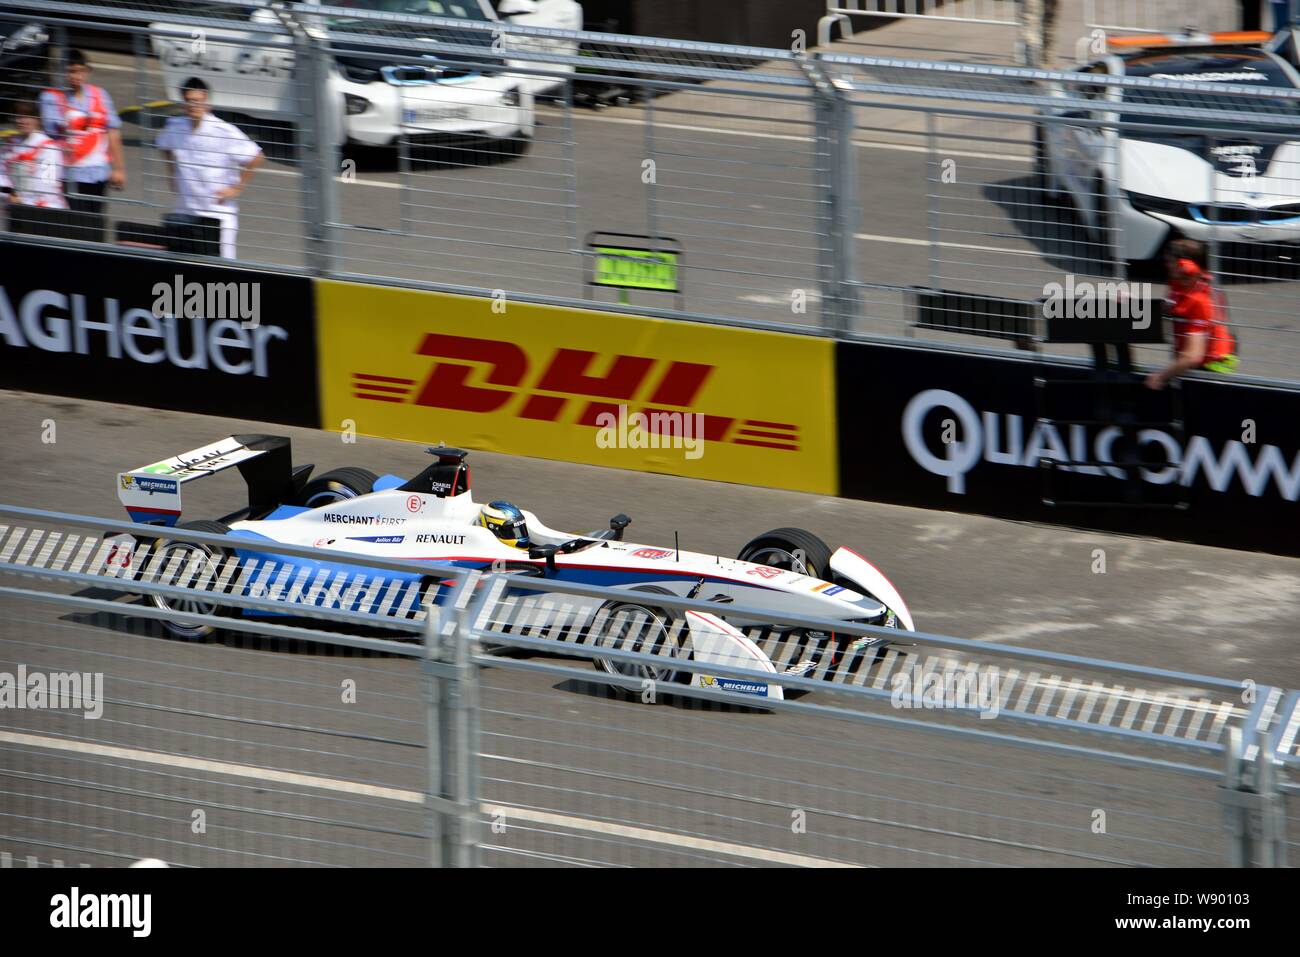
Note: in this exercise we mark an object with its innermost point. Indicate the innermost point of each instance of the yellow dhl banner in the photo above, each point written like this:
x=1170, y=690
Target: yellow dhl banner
x=658, y=395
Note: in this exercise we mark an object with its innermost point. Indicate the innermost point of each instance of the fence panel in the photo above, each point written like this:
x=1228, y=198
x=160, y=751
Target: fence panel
x=1161, y=16
x=816, y=193
x=304, y=739
x=574, y=775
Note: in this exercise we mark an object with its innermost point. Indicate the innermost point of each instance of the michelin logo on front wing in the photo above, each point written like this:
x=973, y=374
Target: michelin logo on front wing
x=738, y=685
x=54, y=322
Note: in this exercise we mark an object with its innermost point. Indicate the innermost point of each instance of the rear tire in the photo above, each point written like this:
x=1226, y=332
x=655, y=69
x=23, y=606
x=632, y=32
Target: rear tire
x=336, y=486
x=174, y=566
x=792, y=549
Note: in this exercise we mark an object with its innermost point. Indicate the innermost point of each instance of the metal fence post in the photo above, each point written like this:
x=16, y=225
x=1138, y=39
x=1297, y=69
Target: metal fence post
x=1253, y=808
x=845, y=165
x=833, y=122
x=433, y=693
x=451, y=699
x=316, y=143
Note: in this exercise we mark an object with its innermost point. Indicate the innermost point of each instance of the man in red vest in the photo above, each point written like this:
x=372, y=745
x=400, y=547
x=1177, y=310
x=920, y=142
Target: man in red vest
x=1202, y=339
x=82, y=118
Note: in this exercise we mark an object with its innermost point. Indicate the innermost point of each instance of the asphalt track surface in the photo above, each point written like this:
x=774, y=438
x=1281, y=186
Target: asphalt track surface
x=255, y=735
x=736, y=184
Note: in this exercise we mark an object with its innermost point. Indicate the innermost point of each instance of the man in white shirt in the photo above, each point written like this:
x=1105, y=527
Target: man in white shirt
x=209, y=162
x=31, y=164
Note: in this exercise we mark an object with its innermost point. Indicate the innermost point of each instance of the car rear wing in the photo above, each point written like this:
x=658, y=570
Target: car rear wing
x=152, y=494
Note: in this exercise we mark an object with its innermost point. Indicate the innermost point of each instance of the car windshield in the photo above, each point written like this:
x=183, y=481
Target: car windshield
x=1253, y=70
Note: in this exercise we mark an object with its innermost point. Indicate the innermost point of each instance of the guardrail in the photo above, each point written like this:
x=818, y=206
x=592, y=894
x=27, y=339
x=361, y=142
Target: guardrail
x=813, y=192
x=317, y=739
x=1160, y=16
x=996, y=12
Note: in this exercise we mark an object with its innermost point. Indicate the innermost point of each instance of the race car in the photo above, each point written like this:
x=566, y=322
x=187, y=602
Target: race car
x=446, y=97
x=1152, y=185
x=349, y=514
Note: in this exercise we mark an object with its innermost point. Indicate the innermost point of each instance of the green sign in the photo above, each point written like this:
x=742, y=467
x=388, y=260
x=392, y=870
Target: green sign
x=635, y=268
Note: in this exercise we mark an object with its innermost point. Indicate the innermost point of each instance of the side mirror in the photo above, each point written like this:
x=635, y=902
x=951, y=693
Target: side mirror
x=513, y=8
x=546, y=552
x=617, y=524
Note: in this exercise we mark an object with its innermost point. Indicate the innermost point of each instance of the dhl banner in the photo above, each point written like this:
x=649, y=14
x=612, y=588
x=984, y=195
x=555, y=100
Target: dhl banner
x=658, y=395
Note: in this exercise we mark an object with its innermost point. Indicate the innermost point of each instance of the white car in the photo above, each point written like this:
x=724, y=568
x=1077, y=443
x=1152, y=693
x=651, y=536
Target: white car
x=431, y=519
x=1153, y=185
x=454, y=97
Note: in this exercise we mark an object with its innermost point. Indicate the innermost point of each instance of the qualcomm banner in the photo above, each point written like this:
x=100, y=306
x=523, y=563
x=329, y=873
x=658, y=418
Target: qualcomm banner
x=970, y=433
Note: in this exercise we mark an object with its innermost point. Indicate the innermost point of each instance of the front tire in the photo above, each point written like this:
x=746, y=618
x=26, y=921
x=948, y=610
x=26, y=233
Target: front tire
x=649, y=628
x=791, y=549
x=337, y=486
x=184, y=563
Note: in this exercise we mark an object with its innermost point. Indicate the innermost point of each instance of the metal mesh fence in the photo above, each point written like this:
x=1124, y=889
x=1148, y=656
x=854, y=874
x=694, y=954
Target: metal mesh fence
x=814, y=192
x=550, y=735
x=243, y=752
x=602, y=781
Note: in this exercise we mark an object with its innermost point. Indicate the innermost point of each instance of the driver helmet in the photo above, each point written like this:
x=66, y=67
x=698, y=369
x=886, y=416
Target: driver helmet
x=506, y=522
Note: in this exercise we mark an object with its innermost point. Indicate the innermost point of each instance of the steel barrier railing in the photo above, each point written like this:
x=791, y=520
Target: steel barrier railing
x=305, y=741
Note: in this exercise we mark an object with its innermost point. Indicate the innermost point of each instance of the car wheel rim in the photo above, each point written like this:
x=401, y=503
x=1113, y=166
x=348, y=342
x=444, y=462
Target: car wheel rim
x=782, y=558
x=653, y=637
x=326, y=496
x=175, y=561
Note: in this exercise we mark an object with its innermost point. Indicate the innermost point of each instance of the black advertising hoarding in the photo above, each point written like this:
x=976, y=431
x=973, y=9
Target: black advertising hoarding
x=158, y=333
x=1233, y=466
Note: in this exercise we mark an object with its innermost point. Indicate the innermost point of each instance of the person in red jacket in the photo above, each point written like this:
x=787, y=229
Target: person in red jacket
x=1201, y=336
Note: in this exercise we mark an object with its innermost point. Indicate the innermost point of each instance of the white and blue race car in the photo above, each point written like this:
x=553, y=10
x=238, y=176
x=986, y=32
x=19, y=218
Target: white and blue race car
x=349, y=514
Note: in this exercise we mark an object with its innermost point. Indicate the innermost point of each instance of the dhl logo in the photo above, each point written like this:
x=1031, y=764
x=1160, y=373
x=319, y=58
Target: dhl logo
x=566, y=382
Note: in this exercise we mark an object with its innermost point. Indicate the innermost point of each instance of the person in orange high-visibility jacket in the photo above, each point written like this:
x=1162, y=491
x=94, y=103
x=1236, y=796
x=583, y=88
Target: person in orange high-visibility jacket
x=82, y=118
x=1202, y=339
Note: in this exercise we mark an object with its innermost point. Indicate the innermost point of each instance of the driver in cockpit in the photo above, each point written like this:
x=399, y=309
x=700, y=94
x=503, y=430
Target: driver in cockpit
x=506, y=522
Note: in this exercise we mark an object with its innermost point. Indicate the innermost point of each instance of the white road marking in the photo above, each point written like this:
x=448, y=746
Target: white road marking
x=657, y=837
x=790, y=137
x=910, y=241
x=203, y=764
x=412, y=797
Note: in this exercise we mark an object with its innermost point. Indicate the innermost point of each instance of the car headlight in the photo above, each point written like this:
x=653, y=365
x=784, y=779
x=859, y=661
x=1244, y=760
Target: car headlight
x=28, y=35
x=1157, y=204
x=511, y=97
x=355, y=104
